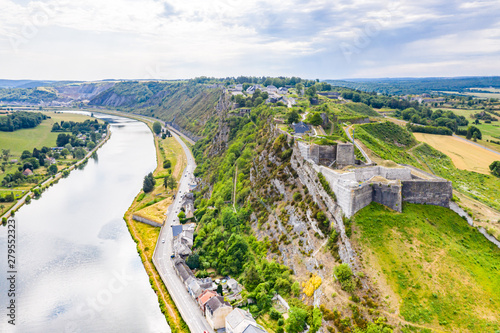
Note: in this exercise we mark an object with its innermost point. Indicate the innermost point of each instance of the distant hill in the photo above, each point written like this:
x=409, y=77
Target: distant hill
x=31, y=83
x=405, y=86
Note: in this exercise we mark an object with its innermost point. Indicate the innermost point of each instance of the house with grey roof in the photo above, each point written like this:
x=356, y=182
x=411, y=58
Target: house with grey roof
x=216, y=311
x=183, y=236
x=197, y=286
x=271, y=89
x=300, y=128
x=183, y=271
x=252, y=89
x=239, y=321
x=282, y=91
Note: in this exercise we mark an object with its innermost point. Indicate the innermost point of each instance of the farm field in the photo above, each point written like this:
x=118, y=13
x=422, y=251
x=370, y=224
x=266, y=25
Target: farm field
x=440, y=270
x=465, y=156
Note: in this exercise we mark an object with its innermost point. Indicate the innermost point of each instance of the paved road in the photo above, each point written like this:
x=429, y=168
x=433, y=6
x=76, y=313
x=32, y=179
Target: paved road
x=368, y=159
x=186, y=305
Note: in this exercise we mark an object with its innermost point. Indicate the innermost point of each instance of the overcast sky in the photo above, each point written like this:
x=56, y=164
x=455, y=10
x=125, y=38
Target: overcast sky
x=158, y=39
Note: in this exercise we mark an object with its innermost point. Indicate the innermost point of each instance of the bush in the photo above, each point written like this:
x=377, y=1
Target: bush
x=275, y=315
x=167, y=164
x=297, y=196
x=495, y=168
x=344, y=274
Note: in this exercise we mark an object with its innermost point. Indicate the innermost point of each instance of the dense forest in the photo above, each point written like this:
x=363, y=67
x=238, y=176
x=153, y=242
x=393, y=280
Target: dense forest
x=21, y=119
x=405, y=86
x=29, y=95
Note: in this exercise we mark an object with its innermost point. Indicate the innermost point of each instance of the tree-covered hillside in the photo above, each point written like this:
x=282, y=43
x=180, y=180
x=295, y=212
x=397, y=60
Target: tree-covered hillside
x=188, y=104
x=405, y=86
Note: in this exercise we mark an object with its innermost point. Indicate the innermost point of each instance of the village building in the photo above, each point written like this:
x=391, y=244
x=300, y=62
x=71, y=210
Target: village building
x=216, y=311
x=239, y=321
x=183, y=236
x=282, y=91
x=204, y=297
x=300, y=128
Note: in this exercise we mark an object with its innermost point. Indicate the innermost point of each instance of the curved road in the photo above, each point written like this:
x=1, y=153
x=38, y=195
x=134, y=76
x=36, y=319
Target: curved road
x=368, y=159
x=187, y=306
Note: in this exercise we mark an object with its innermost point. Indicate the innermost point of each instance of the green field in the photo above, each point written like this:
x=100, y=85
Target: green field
x=489, y=131
x=27, y=139
x=444, y=272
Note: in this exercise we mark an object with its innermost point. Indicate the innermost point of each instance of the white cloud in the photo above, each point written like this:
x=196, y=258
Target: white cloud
x=129, y=38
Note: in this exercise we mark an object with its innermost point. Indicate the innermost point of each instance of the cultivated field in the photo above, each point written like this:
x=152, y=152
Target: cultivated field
x=465, y=156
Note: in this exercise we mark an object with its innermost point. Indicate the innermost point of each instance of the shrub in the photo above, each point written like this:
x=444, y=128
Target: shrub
x=344, y=275
x=167, y=164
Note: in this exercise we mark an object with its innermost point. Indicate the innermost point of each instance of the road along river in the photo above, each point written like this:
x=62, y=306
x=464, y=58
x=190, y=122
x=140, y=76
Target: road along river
x=77, y=266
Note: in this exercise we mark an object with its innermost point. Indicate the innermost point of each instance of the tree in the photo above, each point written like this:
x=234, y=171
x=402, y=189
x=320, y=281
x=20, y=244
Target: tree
x=149, y=183
x=91, y=145
x=193, y=261
x=470, y=133
x=495, y=168
x=25, y=154
x=296, y=320
x=167, y=164
x=79, y=153
x=293, y=117
x=171, y=183
x=65, y=152
x=156, y=127
x=62, y=139
x=2, y=207
x=299, y=87
x=52, y=169
x=315, y=119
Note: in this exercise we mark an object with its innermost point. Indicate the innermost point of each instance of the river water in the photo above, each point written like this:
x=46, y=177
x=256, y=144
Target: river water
x=77, y=266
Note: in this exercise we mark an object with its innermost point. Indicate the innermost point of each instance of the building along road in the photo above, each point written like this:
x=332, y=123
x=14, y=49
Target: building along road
x=187, y=306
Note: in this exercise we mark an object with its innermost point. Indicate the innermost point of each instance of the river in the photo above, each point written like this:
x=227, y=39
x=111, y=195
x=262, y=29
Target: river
x=78, y=269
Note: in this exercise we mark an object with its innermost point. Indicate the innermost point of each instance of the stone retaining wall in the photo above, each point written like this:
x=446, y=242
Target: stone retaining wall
x=145, y=220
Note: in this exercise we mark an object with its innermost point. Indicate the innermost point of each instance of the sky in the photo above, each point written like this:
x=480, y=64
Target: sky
x=174, y=39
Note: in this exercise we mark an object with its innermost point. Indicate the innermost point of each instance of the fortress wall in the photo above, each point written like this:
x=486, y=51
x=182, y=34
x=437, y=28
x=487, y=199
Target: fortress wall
x=396, y=173
x=327, y=154
x=345, y=154
x=304, y=149
x=364, y=174
x=388, y=195
x=428, y=192
x=361, y=197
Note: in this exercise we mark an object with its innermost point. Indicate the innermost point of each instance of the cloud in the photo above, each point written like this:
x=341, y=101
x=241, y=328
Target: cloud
x=317, y=38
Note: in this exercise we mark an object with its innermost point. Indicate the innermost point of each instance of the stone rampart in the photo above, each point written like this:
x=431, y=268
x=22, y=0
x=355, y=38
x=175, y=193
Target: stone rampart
x=436, y=192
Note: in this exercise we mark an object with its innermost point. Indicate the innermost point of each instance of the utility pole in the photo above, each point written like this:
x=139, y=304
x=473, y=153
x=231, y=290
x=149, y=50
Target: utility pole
x=353, y=147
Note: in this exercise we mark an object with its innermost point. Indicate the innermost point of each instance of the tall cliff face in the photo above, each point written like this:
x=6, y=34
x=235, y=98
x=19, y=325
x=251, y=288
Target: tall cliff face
x=189, y=105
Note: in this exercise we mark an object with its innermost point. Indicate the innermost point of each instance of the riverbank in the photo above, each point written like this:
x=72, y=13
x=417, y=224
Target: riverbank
x=146, y=236
x=49, y=181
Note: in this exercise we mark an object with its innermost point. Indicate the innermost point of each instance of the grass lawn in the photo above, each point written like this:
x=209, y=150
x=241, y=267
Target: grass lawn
x=443, y=271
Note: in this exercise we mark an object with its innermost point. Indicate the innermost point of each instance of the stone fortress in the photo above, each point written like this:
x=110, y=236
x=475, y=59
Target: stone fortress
x=356, y=184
